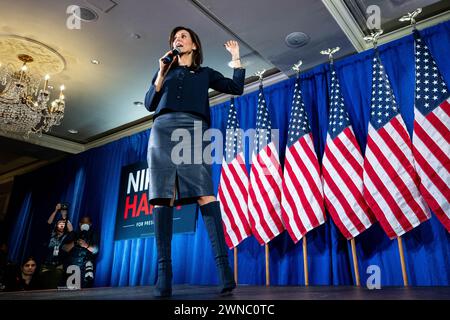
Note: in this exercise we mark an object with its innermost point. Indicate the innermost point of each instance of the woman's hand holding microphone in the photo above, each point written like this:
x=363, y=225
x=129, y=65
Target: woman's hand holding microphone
x=164, y=68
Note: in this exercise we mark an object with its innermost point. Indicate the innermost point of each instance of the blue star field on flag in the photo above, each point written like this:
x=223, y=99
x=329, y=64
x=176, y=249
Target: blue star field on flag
x=233, y=144
x=384, y=107
x=263, y=123
x=431, y=89
x=338, y=118
x=298, y=123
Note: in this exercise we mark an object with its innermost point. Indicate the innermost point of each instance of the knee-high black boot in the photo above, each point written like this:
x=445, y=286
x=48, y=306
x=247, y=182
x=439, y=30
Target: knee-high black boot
x=163, y=219
x=213, y=222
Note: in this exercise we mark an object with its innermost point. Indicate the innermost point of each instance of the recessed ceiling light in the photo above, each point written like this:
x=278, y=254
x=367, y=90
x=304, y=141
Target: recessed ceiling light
x=297, y=39
x=95, y=61
x=138, y=103
x=72, y=131
x=84, y=14
x=50, y=87
x=135, y=36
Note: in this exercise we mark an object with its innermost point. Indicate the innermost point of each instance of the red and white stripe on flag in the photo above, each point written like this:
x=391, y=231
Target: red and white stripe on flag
x=233, y=194
x=302, y=198
x=342, y=168
x=431, y=142
x=431, y=134
x=264, y=194
x=391, y=184
x=390, y=181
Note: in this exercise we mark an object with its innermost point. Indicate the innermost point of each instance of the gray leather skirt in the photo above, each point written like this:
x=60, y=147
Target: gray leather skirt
x=175, y=159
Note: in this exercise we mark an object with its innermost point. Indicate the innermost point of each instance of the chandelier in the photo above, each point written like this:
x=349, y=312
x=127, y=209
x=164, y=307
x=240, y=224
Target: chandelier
x=25, y=94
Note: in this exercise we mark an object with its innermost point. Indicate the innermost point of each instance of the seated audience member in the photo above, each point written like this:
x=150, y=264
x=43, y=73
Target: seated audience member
x=26, y=278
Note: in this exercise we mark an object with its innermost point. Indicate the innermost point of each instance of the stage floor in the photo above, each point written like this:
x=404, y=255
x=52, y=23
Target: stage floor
x=186, y=292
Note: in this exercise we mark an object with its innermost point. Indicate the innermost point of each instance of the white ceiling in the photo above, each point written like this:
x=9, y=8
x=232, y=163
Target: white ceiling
x=99, y=98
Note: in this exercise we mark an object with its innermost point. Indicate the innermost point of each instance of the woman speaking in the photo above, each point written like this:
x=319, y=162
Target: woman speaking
x=179, y=97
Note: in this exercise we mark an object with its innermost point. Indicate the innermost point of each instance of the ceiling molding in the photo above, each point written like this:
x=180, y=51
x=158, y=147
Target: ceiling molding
x=407, y=30
x=46, y=60
x=52, y=142
x=350, y=27
x=120, y=134
x=9, y=176
x=49, y=141
x=347, y=22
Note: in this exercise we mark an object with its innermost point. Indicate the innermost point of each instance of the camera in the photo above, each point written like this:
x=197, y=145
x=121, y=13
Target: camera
x=64, y=206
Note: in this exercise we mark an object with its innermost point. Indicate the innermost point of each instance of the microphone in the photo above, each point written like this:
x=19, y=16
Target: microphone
x=169, y=58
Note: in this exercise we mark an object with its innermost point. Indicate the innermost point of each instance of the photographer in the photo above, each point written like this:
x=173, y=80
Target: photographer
x=83, y=249
x=62, y=208
x=52, y=270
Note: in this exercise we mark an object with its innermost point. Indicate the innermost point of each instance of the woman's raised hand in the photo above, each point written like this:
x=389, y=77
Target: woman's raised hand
x=233, y=48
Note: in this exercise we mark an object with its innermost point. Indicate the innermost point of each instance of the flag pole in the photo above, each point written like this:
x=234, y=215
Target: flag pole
x=235, y=265
x=305, y=261
x=355, y=262
x=260, y=74
x=411, y=17
x=267, y=265
x=374, y=39
x=329, y=52
x=402, y=261
x=296, y=68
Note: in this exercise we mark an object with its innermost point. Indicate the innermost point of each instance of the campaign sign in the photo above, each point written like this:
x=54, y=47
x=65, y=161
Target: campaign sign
x=134, y=218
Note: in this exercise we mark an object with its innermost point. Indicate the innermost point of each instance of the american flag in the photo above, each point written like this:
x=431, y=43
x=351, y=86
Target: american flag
x=431, y=138
x=302, y=200
x=390, y=181
x=264, y=194
x=342, y=168
x=233, y=185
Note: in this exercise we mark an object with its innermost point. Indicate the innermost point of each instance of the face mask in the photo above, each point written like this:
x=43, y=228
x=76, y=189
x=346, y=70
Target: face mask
x=84, y=227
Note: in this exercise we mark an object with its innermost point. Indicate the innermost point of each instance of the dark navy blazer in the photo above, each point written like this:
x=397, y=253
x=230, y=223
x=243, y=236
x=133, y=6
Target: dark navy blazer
x=186, y=90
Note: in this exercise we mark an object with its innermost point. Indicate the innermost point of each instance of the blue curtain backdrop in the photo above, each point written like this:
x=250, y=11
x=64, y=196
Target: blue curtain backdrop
x=90, y=182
